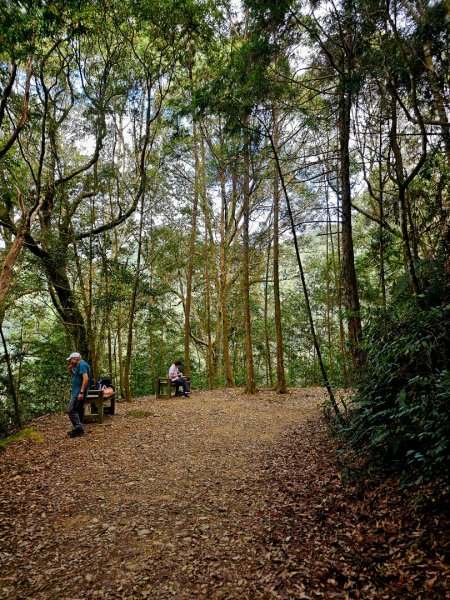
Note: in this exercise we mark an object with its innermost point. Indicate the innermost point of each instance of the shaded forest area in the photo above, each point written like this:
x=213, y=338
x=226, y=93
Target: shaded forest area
x=259, y=188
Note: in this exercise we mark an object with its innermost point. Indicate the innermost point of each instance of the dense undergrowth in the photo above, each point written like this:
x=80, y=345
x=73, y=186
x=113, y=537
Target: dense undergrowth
x=399, y=417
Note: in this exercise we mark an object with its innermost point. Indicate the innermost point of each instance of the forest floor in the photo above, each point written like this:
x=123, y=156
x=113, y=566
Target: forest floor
x=220, y=496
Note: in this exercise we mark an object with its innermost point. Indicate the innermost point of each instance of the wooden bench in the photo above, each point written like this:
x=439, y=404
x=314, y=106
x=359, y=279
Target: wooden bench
x=97, y=401
x=165, y=386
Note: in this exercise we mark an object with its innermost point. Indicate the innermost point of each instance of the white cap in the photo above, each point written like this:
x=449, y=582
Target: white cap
x=74, y=355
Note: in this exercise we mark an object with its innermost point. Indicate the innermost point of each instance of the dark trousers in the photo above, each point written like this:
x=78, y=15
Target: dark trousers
x=183, y=382
x=75, y=410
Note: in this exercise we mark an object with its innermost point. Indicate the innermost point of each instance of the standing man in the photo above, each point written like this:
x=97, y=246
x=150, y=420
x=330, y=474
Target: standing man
x=81, y=375
x=178, y=378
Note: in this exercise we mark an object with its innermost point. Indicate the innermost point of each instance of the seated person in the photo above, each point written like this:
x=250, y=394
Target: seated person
x=178, y=378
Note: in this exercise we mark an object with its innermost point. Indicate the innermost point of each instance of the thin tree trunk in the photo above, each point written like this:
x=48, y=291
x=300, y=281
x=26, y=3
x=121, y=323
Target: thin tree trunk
x=127, y=367
x=89, y=314
x=280, y=386
x=350, y=286
x=108, y=316
x=336, y=254
x=329, y=303
x=400, y=180
x=381, y=232
x=190, y=269
x=250, y=385
x=224, y=285
x=305, y=289
x=209, y=348
x=119, y=346
x=87, y=306
x=269, y=376
x=12, y=386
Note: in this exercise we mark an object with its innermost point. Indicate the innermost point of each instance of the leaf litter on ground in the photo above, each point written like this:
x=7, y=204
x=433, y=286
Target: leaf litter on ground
x=221, y=496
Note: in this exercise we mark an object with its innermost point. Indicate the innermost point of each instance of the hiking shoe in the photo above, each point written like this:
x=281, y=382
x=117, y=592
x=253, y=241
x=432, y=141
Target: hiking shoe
x=76, y=432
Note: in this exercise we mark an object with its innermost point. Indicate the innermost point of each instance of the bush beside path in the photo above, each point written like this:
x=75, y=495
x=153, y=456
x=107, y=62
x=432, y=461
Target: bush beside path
x=219, y=496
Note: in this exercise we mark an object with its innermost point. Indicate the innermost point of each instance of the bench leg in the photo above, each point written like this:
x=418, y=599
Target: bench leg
x=163, y=388
x=100, y=412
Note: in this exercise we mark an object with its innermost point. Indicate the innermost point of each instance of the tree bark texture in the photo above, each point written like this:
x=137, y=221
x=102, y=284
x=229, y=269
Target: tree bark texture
x=348, y=273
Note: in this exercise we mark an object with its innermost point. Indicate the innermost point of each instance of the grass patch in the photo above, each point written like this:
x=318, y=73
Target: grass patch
x=24, y=434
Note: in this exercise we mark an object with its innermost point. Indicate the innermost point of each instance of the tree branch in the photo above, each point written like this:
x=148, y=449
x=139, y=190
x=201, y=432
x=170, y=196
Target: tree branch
x=24, y=118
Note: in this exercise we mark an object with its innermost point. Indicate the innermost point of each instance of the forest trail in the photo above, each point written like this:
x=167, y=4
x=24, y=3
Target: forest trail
x=187, y=499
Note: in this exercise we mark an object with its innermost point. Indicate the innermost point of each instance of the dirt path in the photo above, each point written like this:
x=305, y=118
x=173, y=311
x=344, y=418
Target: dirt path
x=165, y=500
x=221, y=497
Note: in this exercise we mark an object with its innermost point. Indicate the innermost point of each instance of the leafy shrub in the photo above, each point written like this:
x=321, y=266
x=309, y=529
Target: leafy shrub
x=400, y=416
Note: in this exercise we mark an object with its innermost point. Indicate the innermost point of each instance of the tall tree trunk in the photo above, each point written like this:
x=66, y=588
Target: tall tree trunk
x=118, y=362
x=329, y=301
x=402, y=200
x=305, y=289
x=250, y=385
x=269, y=376
x=224, y=283
x=209, y=347
x=54, y=263
x=381, y=227
x=349, y=282
x=87, y=306
x=65, y=303
x=151, y=340
x=91, y=330
x=280, y=386
x=190, y=268
x=127, y=366
x=108, y=313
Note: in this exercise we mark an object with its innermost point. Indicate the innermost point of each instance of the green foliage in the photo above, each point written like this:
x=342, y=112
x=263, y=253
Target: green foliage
x=37, y=351
x=400, y=415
